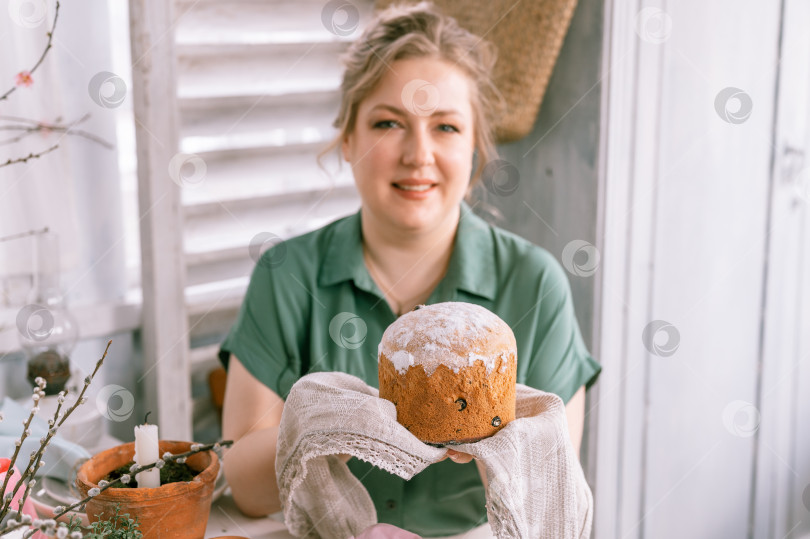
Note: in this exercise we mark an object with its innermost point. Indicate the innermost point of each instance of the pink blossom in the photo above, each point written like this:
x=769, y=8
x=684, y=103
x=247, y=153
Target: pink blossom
x=24, y=79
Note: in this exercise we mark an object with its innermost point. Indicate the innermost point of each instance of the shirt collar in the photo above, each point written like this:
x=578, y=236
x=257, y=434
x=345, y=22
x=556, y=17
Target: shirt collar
x=343, y=259
x=471, y=265
x=473, y=260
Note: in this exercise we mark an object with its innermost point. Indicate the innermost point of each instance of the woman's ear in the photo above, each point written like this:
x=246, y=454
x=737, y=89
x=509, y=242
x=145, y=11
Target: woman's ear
x=345, y=148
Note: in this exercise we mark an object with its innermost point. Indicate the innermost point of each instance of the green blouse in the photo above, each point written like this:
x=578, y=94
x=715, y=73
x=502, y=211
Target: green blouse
x=312, y=306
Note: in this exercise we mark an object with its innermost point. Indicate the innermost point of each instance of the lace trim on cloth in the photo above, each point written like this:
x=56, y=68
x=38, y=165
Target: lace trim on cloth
x=536, y=485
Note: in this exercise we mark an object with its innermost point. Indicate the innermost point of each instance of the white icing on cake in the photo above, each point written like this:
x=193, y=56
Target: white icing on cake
x=504, y=362
x=433, y=335
x=402, y=360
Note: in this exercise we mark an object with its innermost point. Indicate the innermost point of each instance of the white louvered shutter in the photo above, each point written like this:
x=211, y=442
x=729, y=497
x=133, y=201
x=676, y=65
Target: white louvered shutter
x=257, y=91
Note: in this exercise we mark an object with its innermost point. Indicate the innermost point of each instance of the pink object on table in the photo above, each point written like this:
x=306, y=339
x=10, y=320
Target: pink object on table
x=386, y=531
x=28, y=506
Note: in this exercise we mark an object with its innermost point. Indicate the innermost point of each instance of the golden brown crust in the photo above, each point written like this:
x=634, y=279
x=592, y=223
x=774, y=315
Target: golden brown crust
x=449, y=407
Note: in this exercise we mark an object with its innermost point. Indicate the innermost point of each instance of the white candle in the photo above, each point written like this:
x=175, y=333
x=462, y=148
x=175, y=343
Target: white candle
x=147, y=451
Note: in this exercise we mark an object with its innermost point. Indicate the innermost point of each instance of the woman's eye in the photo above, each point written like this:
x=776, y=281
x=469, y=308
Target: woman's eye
x=447, y=128
x=385, y=124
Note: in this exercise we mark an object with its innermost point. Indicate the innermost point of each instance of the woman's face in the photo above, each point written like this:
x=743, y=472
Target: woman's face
x=412, y=146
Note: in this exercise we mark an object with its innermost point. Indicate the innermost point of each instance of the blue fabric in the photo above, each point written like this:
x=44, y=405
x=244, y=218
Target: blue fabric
x=62, y=458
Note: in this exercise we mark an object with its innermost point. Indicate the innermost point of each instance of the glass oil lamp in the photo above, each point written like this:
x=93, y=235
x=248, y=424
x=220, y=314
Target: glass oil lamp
x=47, y=330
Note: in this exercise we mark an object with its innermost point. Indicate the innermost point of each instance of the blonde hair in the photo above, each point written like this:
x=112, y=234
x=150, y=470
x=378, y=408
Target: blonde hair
x=402, y=32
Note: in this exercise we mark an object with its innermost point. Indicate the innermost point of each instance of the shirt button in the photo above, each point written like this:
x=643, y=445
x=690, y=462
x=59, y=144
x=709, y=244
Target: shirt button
x=390, y=504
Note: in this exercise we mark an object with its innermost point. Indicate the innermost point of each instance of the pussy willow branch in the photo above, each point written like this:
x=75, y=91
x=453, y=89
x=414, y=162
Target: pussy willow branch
x=115, y=483
x=36, y=458
x=42, y=57
x=147, y=467
x=112, y=484
x=33, y=467
x=33, y=461
x=87, y=381
x=6, y=501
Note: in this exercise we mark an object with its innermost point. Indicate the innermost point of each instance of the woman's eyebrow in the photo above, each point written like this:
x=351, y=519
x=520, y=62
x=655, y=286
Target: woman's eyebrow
x=400, y=112
x=389, y=108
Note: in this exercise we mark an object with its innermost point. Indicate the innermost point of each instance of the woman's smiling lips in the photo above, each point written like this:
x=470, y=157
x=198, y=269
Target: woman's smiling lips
x=414, y=189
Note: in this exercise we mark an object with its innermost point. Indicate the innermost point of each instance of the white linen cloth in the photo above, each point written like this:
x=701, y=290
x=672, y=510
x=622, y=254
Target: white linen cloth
x=536, y=486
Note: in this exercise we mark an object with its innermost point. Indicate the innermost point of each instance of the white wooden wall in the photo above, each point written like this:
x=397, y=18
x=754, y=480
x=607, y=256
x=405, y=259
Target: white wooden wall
x=556, y=197
x=701, y=223
x=781, y=500
x=705, y=228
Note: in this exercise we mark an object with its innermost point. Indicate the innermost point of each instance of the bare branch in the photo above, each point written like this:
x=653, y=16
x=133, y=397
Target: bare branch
x=24, y=234
x=29, y=127
x=28, y=157
x=42, y=57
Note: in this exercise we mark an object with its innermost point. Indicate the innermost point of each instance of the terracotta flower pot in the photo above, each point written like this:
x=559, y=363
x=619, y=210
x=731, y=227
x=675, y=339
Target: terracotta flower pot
x=174, y=510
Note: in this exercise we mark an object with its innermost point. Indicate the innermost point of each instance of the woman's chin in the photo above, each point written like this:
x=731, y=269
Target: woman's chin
x=422, y=218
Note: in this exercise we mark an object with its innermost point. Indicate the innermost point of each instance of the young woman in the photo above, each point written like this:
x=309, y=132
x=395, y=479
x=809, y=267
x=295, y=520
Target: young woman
x=416, y=106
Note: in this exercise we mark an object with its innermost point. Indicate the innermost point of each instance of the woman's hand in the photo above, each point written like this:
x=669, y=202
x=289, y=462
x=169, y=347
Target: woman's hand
x=458, y=457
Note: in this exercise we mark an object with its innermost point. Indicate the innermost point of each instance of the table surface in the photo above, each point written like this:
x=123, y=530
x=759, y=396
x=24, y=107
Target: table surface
x=226, y=519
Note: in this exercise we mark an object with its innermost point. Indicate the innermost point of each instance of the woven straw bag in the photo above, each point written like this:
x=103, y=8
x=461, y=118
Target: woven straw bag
x=529, y=35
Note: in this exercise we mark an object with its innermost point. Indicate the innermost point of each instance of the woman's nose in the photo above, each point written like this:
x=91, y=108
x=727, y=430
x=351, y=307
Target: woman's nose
x=418, y=150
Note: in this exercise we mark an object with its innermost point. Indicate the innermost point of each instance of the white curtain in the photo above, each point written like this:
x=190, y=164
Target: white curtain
x=74, y=190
